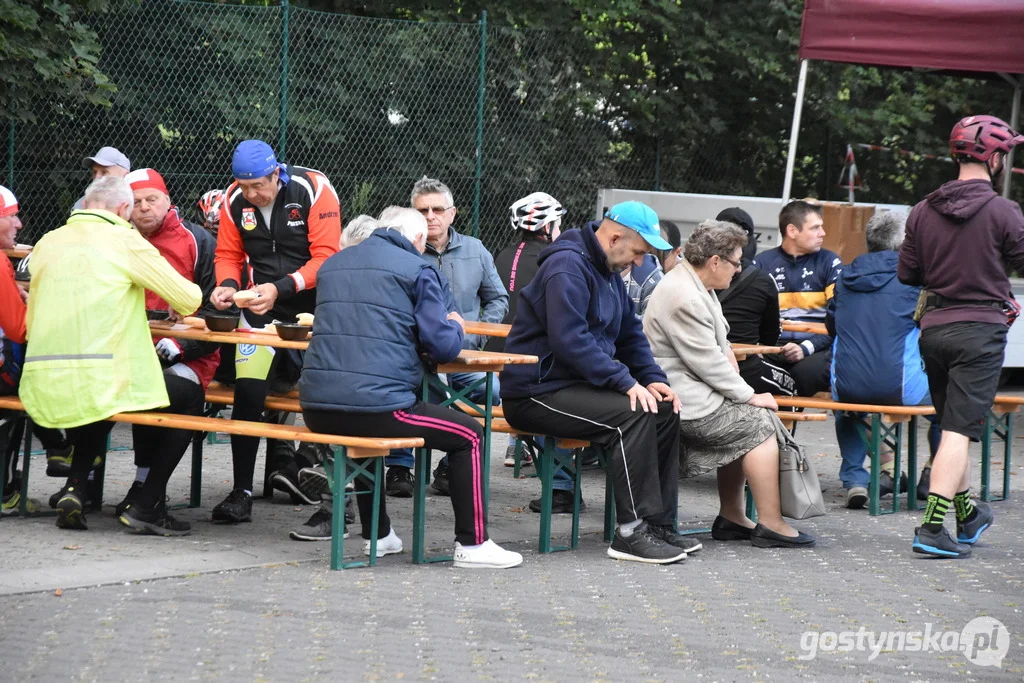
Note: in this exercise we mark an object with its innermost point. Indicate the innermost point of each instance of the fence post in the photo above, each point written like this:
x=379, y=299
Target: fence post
x=657, y=162
x=10, y=156
x=481, y=87
x=282, y=151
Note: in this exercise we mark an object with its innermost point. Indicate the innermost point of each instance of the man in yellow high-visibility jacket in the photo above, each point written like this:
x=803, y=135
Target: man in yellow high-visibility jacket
x=90, y=354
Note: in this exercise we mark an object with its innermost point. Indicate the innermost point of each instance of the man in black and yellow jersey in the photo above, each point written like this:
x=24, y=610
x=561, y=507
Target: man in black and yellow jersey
x=805, y=275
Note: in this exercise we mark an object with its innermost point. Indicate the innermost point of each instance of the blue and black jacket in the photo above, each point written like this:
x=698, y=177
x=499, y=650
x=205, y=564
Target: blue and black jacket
x=578, y=319
x=875, y=358
x=805, y=285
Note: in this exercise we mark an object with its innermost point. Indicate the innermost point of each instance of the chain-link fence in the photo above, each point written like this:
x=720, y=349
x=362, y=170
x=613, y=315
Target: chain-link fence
x=494, y=112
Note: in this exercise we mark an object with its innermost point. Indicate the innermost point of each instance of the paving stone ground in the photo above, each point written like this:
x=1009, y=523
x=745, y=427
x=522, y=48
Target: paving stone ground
x=245, y=603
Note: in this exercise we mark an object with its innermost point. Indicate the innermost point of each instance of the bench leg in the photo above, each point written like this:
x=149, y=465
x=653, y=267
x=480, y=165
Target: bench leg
x=874, y=453
x=419, y=511
x=577, y=476
x=196, y=486
x=545, y=467
x=986, y=455
x=1007, y=455
x=25, y=465
x=751, y=508
x=338, y=483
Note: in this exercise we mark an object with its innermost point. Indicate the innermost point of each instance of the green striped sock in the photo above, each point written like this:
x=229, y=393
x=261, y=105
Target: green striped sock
x=963, y=505
x=935, y=512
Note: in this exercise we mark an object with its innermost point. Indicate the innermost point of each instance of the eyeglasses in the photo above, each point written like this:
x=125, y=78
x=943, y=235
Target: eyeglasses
x=738, y=265
x=436, y=209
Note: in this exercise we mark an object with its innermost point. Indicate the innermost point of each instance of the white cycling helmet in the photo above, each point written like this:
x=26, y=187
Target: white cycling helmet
x=534, y=211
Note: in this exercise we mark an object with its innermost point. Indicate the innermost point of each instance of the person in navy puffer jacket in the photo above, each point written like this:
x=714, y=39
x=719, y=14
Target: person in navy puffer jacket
x=380, y=308
x=875, y=355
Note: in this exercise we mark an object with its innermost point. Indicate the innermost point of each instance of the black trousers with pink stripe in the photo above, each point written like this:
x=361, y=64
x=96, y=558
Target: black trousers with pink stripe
x=442, y=429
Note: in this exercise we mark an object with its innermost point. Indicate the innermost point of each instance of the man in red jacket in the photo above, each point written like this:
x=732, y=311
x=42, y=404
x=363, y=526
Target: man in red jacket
x=959, y=242
x=188, y=365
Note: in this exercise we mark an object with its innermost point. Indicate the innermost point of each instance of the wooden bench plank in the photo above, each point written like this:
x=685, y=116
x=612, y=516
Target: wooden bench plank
x=502, y=426
x=827, y=404
x=358, y=447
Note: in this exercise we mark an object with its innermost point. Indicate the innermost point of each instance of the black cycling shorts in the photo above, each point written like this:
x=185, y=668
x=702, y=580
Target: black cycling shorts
x=963, y=361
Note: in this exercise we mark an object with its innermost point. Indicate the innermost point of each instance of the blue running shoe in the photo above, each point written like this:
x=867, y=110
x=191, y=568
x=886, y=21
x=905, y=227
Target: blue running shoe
x=938, y=544
x=970, y=531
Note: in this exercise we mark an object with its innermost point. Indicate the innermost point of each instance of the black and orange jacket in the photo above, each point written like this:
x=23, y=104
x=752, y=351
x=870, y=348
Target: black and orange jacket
x=304, y=231
x=805, y=285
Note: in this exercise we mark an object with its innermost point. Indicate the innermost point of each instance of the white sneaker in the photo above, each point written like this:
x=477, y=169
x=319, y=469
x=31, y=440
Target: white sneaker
x=510, y=456
x=487, y=555
x=389, y=545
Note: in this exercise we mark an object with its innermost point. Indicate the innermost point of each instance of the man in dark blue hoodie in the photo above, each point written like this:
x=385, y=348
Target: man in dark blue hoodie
x=597, y=379
x=961, y=242
x=875, y=357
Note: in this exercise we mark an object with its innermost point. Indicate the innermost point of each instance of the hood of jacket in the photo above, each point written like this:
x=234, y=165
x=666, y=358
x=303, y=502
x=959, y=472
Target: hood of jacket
x=584, y=242
x=959, y=200
x=870, y=272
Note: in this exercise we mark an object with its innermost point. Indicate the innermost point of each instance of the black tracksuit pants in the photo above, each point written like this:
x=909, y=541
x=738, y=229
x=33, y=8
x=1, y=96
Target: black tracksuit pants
x=643, y=448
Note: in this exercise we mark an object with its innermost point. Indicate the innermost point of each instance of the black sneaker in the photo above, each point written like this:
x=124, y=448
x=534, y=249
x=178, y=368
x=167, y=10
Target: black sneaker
x=924, y=484
x=129, y=497
x=58, y=461
x=399, y=482
x=969, y=531
x=313, y=482
x=71, y=510
x=561, y=502
x=316, y=528
x=237, y=507
x=440, y=484
x=885, y=484
x=643, y=546
x=155, y=521
x=287, y=479
x=939, y=544
x=669, y=535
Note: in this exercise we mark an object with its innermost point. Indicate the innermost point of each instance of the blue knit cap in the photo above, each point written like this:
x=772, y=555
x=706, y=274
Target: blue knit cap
x=253, y=159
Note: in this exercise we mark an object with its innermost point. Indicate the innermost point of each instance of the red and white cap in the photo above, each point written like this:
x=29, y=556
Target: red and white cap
x=8, y=202
x=146, y=179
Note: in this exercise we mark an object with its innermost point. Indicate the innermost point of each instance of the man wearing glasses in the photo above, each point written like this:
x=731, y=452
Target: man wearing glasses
x=805, y=275
x=479, y=295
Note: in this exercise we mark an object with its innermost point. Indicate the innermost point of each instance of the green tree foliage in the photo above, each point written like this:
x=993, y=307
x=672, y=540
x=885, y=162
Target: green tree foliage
x=692, y=96
x=45, y=47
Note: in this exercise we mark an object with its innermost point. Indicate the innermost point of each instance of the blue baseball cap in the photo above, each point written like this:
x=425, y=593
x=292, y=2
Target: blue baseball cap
x=253, y=159
x=640, y=217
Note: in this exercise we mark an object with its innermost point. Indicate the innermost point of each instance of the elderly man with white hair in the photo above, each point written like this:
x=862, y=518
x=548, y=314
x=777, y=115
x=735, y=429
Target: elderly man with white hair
x=875, y=357
x=90, y=354
x=379, y=307
x=357, y=230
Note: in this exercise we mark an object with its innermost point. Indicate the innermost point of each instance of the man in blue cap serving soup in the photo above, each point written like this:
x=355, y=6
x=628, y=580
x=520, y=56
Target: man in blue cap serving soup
x=597, y=379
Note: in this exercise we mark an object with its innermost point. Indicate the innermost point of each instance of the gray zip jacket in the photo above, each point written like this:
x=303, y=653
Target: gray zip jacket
x=476, y=286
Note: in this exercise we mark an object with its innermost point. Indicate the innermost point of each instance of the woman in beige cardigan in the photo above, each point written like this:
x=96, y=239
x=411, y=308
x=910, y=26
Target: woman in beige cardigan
x=724, y=425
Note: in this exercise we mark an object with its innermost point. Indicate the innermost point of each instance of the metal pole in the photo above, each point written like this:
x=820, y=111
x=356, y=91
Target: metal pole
x=10, y=156
x=797, y=111
x=1015, y=115
x=657, y=164
x=282, y=150
x=481, y=88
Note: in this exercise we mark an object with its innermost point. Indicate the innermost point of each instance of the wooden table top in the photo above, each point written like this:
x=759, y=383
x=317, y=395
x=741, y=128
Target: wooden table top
x=487, y=329
x=19, y=251
x=743, y=350
x=481, y=361
x=812, y=328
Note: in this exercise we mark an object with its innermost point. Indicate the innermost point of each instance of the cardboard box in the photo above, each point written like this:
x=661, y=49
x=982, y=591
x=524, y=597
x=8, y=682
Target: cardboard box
x=844, y=228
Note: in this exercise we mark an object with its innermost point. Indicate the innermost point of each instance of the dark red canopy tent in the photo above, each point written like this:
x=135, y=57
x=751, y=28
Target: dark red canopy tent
x=956, y=35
